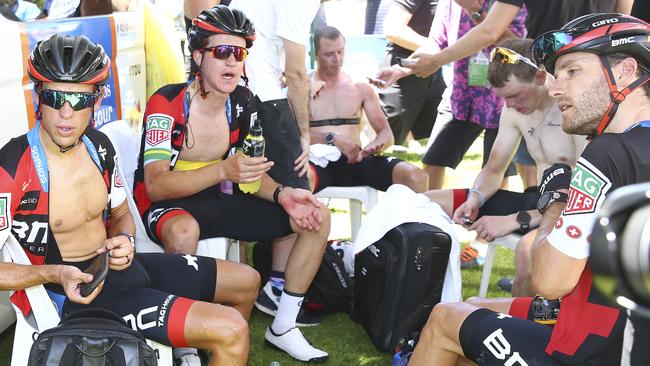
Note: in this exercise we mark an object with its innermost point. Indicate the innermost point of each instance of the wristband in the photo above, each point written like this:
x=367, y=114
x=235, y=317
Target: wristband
x=276, y=194
x=481, y=198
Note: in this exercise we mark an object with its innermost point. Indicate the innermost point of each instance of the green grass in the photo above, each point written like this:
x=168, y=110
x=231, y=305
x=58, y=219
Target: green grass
x=346, y=341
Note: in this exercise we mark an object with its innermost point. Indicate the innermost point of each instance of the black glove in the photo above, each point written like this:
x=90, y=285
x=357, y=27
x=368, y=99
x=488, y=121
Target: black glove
x=557, y=177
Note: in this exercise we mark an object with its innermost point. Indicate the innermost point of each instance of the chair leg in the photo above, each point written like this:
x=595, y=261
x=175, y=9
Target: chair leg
x=487, y=269
x=355, y=217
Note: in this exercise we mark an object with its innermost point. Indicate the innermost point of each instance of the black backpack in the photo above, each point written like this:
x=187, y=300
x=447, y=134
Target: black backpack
x=91, y=337
x=332, y=289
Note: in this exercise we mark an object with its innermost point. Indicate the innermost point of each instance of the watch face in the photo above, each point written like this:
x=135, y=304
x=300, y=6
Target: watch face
x=543, y=201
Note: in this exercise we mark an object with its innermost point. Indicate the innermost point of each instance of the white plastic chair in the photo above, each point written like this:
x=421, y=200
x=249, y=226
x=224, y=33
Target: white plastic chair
x=509, y=241
x=44, y=313
x=356, y=195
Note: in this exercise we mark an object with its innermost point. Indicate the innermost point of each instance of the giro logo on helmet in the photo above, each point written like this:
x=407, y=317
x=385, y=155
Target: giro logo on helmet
x=604, y=21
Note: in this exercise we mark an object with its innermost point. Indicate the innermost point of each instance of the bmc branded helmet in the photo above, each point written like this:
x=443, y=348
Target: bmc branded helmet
x=596, y=33
x=220, y=20
x=601, y=34
x=68, y=59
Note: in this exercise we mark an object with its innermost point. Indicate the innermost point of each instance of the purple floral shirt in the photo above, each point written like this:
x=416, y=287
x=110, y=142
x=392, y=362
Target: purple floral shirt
x=476, y=104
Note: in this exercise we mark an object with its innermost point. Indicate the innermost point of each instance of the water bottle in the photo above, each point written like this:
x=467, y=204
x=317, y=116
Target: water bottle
x=253, y=147
x=274, y=363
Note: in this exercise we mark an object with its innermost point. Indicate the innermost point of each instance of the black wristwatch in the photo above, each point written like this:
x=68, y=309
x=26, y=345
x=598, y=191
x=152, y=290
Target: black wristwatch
x=476, y=16
x=548, y=198
x=329, y=138
x=523, y=219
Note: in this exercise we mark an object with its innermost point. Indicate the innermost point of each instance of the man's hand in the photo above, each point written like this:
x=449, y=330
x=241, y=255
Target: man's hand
x=373, y=148
x=242, y=169
x=120, y=252
x=468, y=209
x=349, y=148
x=555, y=178
x=388, y=76
x=302, y=207
x=302, y=162
x=424, y=61
x=71, y=278
x=491, y=227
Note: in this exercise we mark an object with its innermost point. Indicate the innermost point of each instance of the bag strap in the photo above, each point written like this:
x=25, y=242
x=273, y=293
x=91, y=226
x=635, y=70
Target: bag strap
x=91, y=312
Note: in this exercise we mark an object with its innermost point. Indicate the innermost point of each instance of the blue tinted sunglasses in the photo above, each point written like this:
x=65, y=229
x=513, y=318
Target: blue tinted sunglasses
x=56, y=99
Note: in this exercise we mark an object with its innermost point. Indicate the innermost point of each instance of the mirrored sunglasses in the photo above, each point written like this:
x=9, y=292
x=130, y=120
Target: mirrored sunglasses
x=548, y=44
x=56, y=99
x=222, y=52
x=508, y=56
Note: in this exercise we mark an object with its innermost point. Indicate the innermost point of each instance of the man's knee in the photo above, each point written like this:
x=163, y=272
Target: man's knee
x=230, y=329
x=250, y=284
x=411, y=176
x=180, y=234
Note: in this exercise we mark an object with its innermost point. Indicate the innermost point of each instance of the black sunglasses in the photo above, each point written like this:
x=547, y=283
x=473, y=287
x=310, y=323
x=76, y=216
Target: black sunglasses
x=222, y=52
x=56, y=99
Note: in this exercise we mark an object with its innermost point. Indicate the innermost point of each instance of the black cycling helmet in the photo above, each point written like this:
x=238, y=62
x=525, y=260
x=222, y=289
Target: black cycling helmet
x=220, y=20
x=602, y=34
x=68, y=59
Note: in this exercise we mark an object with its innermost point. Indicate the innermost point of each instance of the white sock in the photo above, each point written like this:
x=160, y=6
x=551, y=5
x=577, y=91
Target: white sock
x=285, y=319
x=481, y=248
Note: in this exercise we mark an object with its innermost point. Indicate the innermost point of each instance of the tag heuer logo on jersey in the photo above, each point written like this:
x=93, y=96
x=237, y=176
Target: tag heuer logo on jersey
x=3, y=213
x=588, y=186
x=158, y=128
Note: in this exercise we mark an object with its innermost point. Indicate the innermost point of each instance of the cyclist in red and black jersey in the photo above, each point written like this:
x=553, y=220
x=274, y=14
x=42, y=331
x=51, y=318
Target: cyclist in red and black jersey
x=189, y=169
x=602, y=64
x=61, y=187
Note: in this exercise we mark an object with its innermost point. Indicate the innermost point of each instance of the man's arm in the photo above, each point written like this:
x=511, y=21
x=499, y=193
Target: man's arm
x=298, y=95
x=18, y=276
x=377, y=120
x=483, y=35
x=625, y=6
x=397, y=31
x=504, y=148
x=555, y=274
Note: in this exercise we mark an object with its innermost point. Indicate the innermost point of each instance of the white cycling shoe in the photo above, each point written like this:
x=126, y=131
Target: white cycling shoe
x=294, y=343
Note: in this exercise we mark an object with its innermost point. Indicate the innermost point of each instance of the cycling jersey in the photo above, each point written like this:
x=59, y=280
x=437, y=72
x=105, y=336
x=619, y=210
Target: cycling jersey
x=24, y=179
x=164, y=129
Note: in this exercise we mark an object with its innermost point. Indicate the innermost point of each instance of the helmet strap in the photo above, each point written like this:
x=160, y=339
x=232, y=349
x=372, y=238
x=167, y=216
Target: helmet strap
x=616, y=96
x=199, y=77
x=244, y=77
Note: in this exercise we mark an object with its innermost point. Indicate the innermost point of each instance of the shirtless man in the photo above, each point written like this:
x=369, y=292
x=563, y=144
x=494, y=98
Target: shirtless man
x=61, y=179
x=529, y=113
x=186, y=184
x=339, y=126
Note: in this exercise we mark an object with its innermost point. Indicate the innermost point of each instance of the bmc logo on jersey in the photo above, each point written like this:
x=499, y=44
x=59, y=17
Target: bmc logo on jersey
x=159, y=128
x=586, y=189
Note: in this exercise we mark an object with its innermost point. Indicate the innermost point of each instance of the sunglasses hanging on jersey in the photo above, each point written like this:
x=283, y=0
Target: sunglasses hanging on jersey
x=222, y=52
x=56, y=99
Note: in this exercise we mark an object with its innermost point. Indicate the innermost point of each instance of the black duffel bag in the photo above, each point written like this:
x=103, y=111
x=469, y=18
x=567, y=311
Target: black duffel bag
x=91, y=337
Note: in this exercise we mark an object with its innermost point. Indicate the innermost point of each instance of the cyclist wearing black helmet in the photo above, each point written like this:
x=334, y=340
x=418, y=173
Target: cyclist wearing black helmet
x=601, y=63
x=188, y=172
x=61, y=187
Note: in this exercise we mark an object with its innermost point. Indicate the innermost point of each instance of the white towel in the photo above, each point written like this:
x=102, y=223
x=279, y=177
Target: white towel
x=400, y=205
x=321, y=154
